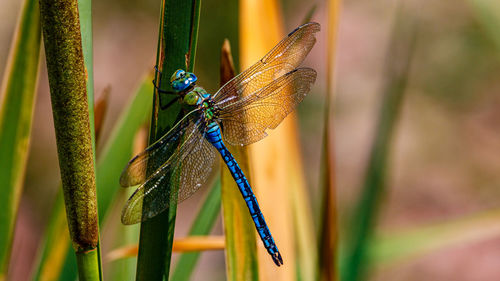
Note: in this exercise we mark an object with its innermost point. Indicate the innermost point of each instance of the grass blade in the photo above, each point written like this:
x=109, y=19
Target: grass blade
x=276, y=172
x=187, y=244
x=100, y=109
x=392, y=247
x=117, y=150
x=129, y=137
x=328, y=221
x=115, y=234
x=55, y=244
x=202, y=225
x=176, y=49
x=241, y=255
x=397, y=67
x=488, y=15
x=16, y=114
x=241, y=249
x=310, y=14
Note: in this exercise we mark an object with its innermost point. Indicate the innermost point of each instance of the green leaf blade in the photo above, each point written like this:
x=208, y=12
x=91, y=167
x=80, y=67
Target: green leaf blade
x=241, y=248
x=397, y=68
x=117, y=150
x=202, y=225
x=177, y=38
x=16, y=114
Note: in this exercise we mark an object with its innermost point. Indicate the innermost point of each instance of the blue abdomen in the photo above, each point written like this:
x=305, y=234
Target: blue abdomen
x=215, y=138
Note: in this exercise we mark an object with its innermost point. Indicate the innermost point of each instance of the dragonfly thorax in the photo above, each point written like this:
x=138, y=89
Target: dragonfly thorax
x=196, y=96
x=208, y=109
x=199, y=97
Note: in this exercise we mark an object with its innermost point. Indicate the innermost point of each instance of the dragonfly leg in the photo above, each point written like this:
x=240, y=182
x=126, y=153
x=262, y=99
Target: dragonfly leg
x=158, y=85
x=162, y=100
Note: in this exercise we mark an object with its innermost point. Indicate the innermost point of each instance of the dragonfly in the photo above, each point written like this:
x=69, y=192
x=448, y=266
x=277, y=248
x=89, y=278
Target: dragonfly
x=239, y=113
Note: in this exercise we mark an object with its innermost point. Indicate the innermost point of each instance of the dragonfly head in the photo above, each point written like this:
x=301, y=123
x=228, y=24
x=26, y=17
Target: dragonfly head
x=182, y=80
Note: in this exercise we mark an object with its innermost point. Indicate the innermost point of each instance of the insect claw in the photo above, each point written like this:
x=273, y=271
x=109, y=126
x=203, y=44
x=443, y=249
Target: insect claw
x=161, y=92
x=158, y=85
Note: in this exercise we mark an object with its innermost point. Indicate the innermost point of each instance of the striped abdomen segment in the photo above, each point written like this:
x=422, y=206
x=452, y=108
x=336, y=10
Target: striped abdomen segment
x=214, y=137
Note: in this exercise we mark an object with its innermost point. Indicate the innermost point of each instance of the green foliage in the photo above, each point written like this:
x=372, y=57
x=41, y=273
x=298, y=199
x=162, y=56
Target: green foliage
x=176, y=49
x=110, y=163
x=16, y=114
x=390, y=248
x=118, y=148
x=115, y=155
x=488, y=14
x=396, y=73
x=55, y=247
x=202, y=225
x=241, y=249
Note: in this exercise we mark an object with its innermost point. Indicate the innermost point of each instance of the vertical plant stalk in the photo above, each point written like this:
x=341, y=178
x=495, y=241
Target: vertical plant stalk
x=176, y=49
x=56, y=260
x=274, y=161
x=329, y=223
x=53, y=253
x=55, y=244
x=67, y=80
x=118, y=148
x=54, y=247
x=398, y=60
x=130, y=136
x=16, y=114
x=241, y=249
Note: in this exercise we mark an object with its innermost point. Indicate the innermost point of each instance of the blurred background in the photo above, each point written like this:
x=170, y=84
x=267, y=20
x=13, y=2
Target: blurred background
x=444, y=158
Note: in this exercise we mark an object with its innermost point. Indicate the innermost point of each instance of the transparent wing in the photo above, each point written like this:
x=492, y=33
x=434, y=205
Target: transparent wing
x=245, y=120
x=155, y=155
x=283, y=58
x=185, y=170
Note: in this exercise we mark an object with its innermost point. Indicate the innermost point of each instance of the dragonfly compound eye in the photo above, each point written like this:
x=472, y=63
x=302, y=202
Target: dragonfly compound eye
x=181, y=80
x=179, y=73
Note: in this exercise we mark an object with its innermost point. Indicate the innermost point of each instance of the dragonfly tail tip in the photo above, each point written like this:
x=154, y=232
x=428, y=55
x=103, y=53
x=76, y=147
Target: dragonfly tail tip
x=277, y=258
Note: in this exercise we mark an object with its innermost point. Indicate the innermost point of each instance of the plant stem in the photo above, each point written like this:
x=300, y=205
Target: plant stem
x=56, y=260
x=87, y=261
x=67, y=80
x=176, y=49
x=328, y=244
x=241, y=248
